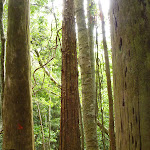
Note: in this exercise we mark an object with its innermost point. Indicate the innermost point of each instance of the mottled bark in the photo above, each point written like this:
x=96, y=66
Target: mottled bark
x=69, y=127
x=90, y=16
x=88, y=101
x=109, y=89
x=17, y=106
x=130, y=29
x=81, y=126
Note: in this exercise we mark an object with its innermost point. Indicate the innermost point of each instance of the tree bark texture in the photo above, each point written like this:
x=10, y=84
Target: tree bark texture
x=69, y=128
x=130, y=29
x=3, y=47
x=88, y=101
x=17, y=106
x=90, y=15
x=81, y=126
x=109, y=89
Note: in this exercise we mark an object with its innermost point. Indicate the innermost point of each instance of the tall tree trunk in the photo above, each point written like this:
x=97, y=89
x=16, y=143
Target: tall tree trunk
x=109, y=89
x=17, y=106
x=90, y=15
x=130, y=29
x=99, y=80
x=88, y=101
x=3, y=42
x=69, y=128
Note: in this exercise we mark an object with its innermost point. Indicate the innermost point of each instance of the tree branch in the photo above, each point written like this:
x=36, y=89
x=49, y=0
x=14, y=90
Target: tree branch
x=46, y=70
x=102, y=127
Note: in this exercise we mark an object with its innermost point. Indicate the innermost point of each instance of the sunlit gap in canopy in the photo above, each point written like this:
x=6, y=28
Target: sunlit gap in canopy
x=58, y=6
x=105, y=8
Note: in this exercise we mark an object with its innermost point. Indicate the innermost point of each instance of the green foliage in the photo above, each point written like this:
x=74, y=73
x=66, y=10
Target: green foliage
x=45, y=28
x=45, y=40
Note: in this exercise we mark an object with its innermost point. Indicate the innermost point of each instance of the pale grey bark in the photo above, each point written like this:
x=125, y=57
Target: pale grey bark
x=81, y=126
x=88, y=101
x=90, y=8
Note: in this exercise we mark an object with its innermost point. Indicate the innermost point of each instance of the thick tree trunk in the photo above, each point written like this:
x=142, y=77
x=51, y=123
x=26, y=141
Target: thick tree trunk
x=69, y=128
x=130, y=28
x=88, y=101
x=17, y=106
x=109, y=89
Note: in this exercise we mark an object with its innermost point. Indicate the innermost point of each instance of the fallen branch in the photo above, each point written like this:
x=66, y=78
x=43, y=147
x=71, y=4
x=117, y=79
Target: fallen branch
x=102, y=127
x=46, y=71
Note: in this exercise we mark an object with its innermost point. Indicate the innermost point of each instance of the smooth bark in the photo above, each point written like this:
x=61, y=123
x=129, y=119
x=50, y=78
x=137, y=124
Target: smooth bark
x=17, y=105
x=130, y=32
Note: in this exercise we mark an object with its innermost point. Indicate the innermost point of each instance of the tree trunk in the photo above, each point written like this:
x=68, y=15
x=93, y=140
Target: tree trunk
x=3, y=42
x=81, y=126
x=90, y=15
x=88, y=101
x=99, y=80
x=130, y=29
x=109, y=89
x=17, y=106
x=69, y=128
